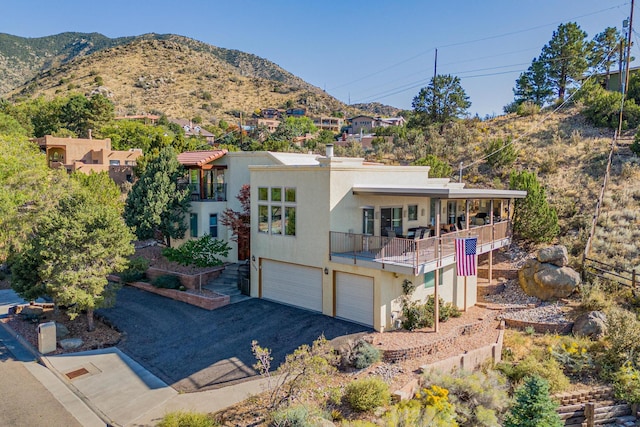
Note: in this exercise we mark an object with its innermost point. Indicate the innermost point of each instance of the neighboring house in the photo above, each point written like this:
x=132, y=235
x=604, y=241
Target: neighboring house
x=296, y=112
x=193, y=129
x=340, y=235
x=333, y=124
x=147, y=119
x=87, y=155
x=270, y=113
x=366, y=124
x=215, y=179
x=271, y=124
x=614, y=78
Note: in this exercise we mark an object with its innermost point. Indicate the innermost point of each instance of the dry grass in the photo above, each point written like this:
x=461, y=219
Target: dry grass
x=179, y=80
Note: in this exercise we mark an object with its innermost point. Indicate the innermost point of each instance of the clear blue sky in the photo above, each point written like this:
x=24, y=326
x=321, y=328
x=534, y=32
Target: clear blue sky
x=360, y=50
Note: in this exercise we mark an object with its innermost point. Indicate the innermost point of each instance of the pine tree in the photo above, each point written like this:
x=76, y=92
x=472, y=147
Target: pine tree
x=605, y=51
x=565, y=56
x=533, y=407
x=533, y=218
x=534, y=85
x=442, y=101
x=158, y=201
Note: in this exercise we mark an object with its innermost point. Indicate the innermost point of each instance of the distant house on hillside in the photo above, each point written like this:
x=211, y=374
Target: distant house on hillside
x=296, y=112
x=333, y=124
x=366, y=124
x=145, y=118
x=89, y=155
x=614, y=79
x=193, y=129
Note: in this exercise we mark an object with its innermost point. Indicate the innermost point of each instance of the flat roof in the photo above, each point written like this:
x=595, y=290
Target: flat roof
x=440, y=192
x=199, y=158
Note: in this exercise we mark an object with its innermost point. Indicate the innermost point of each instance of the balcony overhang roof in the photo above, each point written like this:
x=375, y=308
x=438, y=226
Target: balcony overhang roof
x=440, y=193
x=199, y=158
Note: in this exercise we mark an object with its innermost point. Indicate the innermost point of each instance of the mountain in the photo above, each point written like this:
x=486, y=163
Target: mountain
x=162, y=73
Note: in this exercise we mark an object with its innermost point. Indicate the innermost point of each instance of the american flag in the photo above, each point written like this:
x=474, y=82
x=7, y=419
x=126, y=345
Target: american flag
x=466, y=256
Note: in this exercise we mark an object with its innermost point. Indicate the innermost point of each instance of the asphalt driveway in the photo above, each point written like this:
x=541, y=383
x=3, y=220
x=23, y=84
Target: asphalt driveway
x=194, y=349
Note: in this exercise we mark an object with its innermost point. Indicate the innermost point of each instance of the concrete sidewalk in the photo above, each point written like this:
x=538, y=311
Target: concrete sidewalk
x=107, y=387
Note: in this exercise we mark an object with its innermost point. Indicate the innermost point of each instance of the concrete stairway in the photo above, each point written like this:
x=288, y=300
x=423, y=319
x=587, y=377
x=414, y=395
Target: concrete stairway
x=227, y=283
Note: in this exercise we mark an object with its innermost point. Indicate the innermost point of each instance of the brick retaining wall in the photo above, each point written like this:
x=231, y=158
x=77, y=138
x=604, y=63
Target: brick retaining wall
x=206, y=302
x=596, y=394
x=189, y=281
x=440, y=345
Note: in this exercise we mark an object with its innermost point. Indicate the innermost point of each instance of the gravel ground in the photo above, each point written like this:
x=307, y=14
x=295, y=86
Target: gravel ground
x=517, y=305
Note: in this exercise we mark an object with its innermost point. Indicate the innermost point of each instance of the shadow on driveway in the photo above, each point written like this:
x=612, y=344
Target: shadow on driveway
x=195, y=349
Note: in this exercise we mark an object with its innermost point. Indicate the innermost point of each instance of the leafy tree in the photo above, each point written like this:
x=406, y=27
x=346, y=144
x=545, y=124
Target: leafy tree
x=605, y=51
x=534, y=85
x=24, y=188
x=533, y=407
x=533, y=218
x=443, y=100
x=439, y=168
x=565, y=56
x=75, y=246
x=10, y=126
x=292, y=128
x=159, y=200
x=240, y=222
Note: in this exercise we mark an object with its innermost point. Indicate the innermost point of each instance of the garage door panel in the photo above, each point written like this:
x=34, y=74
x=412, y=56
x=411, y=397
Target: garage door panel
x=354, y=298
x=292, y=284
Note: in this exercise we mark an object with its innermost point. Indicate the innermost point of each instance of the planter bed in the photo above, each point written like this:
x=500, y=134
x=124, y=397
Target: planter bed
x=189, y=281
x=202, y=301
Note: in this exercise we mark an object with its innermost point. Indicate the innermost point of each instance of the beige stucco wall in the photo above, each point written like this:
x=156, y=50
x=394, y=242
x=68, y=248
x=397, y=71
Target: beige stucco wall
x=236, y=175
x=325, y=202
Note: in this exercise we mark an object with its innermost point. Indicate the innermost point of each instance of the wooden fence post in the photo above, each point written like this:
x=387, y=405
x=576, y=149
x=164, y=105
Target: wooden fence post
x=590, y=414
x=633, y=278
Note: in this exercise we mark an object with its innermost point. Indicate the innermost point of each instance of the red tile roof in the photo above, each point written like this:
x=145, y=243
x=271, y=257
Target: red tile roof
x=200, y=158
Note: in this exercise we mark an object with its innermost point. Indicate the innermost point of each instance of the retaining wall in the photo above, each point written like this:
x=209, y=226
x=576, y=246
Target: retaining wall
x=206, y=302
x=189, y=281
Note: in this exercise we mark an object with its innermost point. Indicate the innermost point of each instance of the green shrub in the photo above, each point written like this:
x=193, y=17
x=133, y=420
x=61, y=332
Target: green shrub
x=367, y=394
x=626, y=384
x=623, y=338
x=593, y=297
x=202, y=252
x=186, y=419
x=135, y=271
x=167, y=281
x=548, y=369
x=409, y=413
x=365, y=355
x=500, y=153
x=533, y=407
x=417, y=316
x=527, y=108
x=292, y=416
x=480, y=399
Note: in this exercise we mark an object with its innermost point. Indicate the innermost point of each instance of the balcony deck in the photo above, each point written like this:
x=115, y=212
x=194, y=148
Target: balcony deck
x=409, y=256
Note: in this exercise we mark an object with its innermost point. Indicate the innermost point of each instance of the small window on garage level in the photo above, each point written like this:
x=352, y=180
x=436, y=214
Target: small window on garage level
x=213, y=225
x=194, y=225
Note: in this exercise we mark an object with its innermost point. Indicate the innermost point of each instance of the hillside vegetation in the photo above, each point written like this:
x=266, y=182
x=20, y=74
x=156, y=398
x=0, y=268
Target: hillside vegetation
x=168, y=74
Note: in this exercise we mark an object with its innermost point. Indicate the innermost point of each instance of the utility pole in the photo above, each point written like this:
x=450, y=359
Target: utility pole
x=435, y=65
x=624, y=82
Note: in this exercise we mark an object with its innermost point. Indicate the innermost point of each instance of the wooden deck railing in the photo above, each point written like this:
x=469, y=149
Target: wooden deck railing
x=409, y=252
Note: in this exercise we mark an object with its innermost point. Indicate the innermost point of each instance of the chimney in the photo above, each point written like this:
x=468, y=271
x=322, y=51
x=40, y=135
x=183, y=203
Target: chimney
x=329, y=151
x=89, y=133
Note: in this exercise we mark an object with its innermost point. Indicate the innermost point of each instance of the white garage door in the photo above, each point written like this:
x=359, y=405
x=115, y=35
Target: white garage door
x=354, y=298
x=292, y=284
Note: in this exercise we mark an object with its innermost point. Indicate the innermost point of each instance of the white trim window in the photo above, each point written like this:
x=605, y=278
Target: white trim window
x=277, y=211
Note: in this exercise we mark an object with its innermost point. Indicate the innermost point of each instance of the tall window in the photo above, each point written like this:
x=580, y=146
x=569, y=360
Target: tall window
x=367, y=221
x=194, y=225
x=277, y=210
x=213, y=225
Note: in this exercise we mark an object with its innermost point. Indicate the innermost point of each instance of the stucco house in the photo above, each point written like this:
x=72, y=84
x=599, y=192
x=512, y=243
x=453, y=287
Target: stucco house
x=340, y=235
x=215, y=179
x=89, y=155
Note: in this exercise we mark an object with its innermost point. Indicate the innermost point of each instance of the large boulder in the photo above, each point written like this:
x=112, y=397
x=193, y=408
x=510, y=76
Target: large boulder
x=592, y=325
x=556, y=255
x=61, y=331
x=547, y=281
